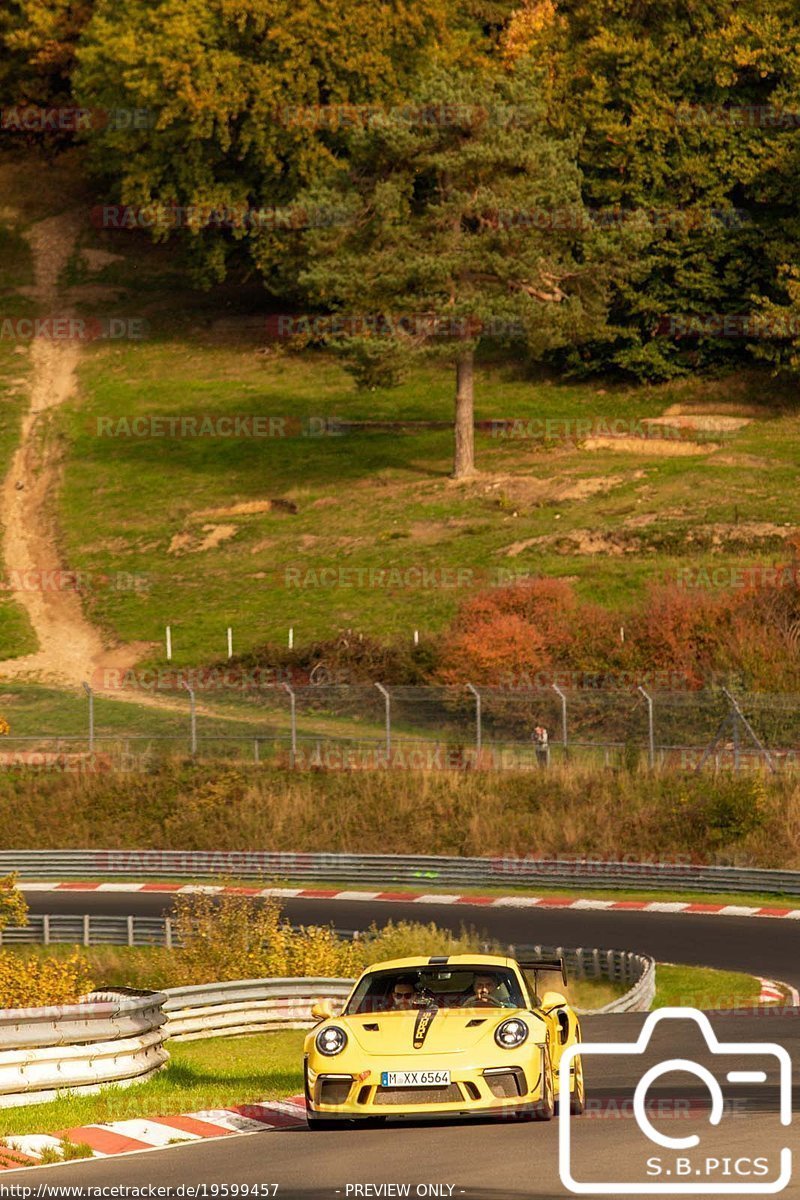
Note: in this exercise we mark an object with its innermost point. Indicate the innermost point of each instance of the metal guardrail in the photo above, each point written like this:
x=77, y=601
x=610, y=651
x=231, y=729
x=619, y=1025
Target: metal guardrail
x=247, y=1006
x=106, y=1038
x=88, y=929
x=383, y=869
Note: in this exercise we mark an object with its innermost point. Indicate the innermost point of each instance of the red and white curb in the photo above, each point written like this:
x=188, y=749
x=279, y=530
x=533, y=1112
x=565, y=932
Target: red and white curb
x=150, y=1133
x=778, y=993
x=396, y=897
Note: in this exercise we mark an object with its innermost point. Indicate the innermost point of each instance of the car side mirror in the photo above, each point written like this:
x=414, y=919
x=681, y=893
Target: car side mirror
x=552, y=1000
x=322, y=1009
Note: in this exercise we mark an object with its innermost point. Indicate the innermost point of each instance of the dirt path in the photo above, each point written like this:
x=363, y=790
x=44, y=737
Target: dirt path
x=70, y=649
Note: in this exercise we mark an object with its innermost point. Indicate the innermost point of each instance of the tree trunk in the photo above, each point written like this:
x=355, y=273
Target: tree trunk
x=464, y=461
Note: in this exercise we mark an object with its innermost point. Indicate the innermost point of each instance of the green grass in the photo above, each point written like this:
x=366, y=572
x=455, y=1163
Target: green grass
x=213, y=1073
x=379, y=501
x=700, y=987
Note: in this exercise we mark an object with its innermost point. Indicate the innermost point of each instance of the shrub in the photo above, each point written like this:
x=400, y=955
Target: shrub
x=13, y=909
x=241, y=937
x=35, y=982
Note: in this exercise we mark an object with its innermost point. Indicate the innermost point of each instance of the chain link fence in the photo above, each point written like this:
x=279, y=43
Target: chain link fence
x=377, y=726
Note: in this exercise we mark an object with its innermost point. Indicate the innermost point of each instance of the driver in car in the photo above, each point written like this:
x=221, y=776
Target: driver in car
x=485, y=994
x=404, y=993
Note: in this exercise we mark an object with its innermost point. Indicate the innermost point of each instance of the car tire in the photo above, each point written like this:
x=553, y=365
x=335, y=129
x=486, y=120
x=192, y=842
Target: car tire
x=546, y=1107
x=577, y=1101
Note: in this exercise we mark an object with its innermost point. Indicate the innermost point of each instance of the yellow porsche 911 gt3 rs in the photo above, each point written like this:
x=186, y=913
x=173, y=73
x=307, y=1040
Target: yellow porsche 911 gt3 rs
x=464, y=1035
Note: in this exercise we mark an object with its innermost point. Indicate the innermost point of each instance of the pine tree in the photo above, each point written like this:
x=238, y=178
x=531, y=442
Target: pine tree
x=462, y=220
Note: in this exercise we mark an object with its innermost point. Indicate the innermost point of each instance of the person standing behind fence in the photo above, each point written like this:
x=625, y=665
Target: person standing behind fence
x=541, y=745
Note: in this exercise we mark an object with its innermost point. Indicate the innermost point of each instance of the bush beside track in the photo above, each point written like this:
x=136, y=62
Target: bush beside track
x=749, y=820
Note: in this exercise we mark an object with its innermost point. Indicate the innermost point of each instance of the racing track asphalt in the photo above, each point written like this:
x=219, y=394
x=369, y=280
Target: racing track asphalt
x=492, y=1160
x=486, y=1160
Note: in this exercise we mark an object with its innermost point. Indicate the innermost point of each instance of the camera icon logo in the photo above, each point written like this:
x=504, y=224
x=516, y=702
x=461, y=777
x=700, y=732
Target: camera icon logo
x=684, y=1166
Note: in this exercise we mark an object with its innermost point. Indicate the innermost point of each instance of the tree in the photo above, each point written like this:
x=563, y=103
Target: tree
x=13, y=909
x=462, y=219
x=676, y=107
x=40, y=39
x=236, y=95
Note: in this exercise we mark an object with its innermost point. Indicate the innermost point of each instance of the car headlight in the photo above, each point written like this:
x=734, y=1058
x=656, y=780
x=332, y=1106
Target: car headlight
x=511, y=1033
x=331, y=1040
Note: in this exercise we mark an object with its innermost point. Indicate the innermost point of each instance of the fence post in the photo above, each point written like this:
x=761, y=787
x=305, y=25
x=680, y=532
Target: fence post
x=192, y=717
x=388, y=701
x=478, y=722
x=90, y=694
x=168, y=932
x=650, y=734
x=738, y=716
x=559, y=693
x=293, y=707
x=46, y=930
x=130, y=931
x=87, y=940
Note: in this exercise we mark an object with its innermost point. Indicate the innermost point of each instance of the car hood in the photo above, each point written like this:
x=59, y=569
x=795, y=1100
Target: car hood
x=434, y=1031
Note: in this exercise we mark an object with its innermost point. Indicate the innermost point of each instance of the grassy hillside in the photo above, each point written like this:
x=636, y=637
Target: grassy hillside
x=747, y=820
x=184, y=530
x=190, y=518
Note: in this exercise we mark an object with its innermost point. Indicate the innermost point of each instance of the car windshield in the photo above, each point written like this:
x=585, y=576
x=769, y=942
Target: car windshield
x=440, y=987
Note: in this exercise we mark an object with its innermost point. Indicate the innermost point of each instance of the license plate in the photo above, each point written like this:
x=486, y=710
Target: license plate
x=415, y=1078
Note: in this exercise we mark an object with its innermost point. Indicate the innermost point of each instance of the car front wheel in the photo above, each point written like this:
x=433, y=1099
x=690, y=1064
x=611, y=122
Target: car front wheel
x=545, y=1109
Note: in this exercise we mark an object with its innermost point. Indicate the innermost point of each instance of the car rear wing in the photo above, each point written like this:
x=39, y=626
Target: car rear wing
x=535, y=965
